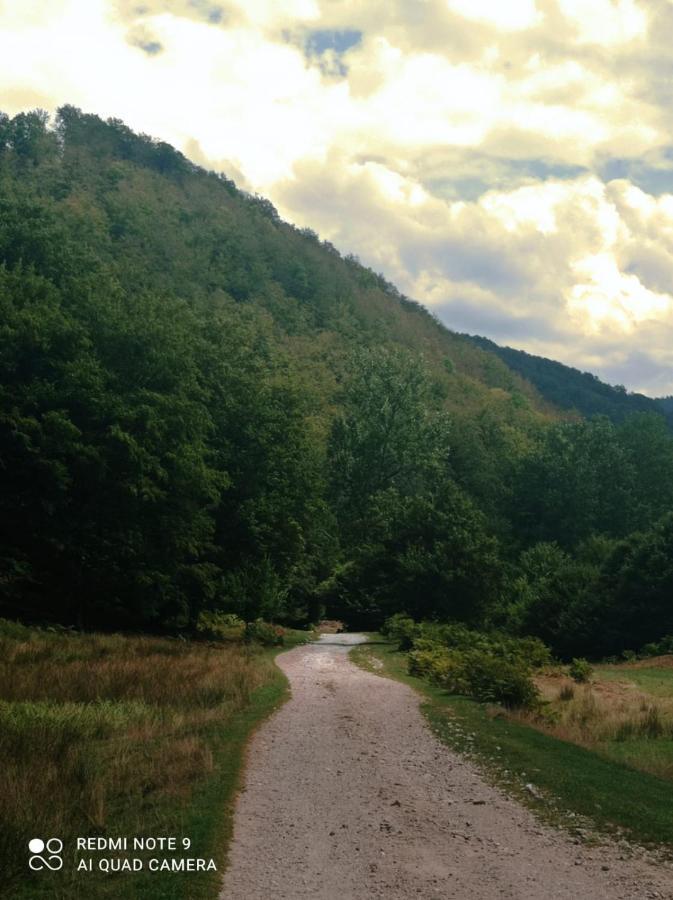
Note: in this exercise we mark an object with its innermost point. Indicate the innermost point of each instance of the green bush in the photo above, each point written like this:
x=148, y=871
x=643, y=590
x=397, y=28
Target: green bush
x=658, y=648
x=532, y=651
x=580, y=670
x=495, y=680
x=477, y=673
x=220, y=626
x=401, y=628
x=265, y=633
x=450, y=670
x=16, y=631
x=421, y=662
x=488, y=666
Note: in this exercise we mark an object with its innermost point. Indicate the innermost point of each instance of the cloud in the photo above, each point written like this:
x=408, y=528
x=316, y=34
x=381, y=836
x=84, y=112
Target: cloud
x=508, y=164
x=559, y=267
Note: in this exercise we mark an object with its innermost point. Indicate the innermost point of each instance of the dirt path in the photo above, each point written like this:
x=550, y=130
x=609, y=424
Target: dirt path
x=349, y=795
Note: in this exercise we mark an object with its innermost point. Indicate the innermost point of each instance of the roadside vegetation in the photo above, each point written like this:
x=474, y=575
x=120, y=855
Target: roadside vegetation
x=588, y=745
x=109, y=735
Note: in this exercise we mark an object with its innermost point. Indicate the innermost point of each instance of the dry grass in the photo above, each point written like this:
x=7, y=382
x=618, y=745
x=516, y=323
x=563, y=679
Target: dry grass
x=98, y=729
x=613, y=717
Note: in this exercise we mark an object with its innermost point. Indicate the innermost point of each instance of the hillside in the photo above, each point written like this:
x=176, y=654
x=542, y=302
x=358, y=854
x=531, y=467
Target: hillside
x=205, y=411
x=568, y=388
x=142, y=212
x=163, y=332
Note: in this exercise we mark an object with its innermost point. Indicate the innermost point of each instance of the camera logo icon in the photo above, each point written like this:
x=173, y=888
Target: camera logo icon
x=45, y=854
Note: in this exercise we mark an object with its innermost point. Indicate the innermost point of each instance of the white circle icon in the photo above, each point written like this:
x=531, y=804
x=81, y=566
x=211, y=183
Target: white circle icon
x=36, y=845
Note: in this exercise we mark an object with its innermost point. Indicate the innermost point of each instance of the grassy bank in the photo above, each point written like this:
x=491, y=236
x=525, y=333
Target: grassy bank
x=624, y=713
x=109, y=735
x=570, y=784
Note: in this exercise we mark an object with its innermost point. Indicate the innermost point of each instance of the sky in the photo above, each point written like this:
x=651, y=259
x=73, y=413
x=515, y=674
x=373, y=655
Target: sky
x=508, y=163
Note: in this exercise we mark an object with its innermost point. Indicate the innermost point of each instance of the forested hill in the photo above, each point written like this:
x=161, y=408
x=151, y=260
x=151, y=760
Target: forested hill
x=155, y=222
x=205, y=411
x=568, y=388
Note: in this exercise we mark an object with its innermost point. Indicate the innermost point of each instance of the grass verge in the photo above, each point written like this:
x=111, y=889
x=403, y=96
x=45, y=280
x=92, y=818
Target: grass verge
x=114, y=736
x=569, y=785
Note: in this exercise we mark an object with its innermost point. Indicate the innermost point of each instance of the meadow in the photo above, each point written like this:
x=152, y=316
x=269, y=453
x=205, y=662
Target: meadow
x=107, y=734
x=624, y=712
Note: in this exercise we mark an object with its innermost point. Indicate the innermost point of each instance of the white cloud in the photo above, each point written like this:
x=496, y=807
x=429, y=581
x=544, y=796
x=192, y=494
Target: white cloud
x=459, y=153
x=606, y=22
x=511, y=16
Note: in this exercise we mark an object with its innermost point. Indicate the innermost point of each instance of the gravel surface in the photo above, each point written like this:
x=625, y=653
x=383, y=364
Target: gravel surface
x=348, y=794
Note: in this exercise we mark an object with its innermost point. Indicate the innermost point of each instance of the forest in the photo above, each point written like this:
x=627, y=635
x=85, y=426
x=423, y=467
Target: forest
x=204, y=409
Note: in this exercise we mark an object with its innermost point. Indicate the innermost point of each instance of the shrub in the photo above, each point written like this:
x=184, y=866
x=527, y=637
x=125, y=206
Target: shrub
x=494, y=680
x=475, y=673
x=580, y=670
x=533, y=651
x=422, y=662
x=219, y=626
x=567, y=692
x=401, y=628
x=658, y=648
x=529, y=651
x=265, y=633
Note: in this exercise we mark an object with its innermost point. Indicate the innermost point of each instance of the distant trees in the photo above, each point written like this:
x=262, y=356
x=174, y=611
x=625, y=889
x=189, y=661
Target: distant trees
x=570, y=389
x=594, y=477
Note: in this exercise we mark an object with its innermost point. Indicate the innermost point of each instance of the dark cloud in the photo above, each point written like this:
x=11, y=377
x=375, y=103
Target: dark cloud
x=650, y=263
x=641, y=369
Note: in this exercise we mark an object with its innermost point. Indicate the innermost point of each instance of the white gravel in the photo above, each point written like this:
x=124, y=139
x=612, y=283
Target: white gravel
x=349, y=795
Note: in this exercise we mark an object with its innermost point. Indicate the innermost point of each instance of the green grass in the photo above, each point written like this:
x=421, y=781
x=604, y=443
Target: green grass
x=651, y=680
x=578, y=788
x=106, y=735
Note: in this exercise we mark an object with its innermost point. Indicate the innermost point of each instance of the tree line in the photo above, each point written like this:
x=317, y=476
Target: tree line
x=205, y=409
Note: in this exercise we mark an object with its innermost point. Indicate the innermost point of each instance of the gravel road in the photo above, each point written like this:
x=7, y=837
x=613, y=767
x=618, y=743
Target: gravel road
x=349, y=795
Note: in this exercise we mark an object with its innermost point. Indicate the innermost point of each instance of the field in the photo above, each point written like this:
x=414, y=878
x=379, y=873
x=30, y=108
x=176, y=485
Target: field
x=591, y=763
x=109, y=735
x=624, y=713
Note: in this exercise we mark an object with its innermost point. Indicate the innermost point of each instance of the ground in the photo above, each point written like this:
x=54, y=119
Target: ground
x=349, y=795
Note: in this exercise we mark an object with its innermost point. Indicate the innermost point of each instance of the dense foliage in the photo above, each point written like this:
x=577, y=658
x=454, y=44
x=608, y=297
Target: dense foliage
x=205, y=412
x=489, y=667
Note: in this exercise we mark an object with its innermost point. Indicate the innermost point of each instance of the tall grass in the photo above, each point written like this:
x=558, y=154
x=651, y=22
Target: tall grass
x=615, y=719
x=105, y=733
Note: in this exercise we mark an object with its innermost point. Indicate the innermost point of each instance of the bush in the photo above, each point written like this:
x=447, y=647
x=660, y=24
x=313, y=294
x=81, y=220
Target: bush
x=580, y=671
x=495, y=680
x=475, y=673
x=219, y=626
x=422, y=662
x=490, y=667
x=533, y=651
x=528, y=651
x=658, y=648
x=401, y=628
x=265, y=633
